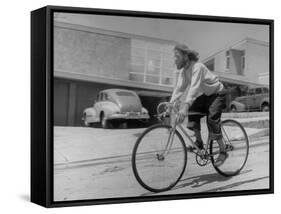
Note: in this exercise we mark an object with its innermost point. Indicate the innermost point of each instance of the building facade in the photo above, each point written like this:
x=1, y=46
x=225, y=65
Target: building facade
x=246, y=61
x=241, y=66
x=88, y=60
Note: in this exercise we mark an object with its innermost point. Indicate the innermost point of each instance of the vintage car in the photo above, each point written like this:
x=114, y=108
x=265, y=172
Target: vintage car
x=115, y=105
x=257, y=99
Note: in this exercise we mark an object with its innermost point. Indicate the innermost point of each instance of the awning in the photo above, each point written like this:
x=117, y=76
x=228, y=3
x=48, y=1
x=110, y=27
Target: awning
x=237, y=79
x=153, y=93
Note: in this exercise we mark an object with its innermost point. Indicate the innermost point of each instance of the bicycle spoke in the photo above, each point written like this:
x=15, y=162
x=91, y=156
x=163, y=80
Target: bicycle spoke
x=236, y=145
x=159, y=158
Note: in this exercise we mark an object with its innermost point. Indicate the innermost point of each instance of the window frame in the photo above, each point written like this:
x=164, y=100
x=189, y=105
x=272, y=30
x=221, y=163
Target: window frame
x=227, y=55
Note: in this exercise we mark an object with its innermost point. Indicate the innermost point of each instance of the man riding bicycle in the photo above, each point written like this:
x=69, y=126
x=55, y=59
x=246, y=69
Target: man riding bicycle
x=200, y=91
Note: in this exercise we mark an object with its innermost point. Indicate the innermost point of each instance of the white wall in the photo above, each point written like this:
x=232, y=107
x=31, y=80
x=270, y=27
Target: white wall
x=257, y=60
x=220, y=62
x=264, y=78
x=220, y=58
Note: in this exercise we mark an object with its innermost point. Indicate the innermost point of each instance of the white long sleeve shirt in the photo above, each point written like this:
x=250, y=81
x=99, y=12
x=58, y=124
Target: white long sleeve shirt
x=194, y=81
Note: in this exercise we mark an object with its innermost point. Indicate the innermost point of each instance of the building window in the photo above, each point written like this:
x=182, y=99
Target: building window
x=152, y=79
x=258, y=90
x=167, y=81
x=151, y=62
x=136, y=77
x=265, y=90
x=227, y=54
x=153, y=67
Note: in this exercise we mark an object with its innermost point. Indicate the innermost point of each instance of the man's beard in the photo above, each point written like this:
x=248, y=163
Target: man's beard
x=182, y=65
x=179, y=67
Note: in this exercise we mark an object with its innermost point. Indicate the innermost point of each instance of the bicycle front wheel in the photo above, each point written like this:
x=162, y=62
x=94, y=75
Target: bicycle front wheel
x=157, y=164
x=236, y=144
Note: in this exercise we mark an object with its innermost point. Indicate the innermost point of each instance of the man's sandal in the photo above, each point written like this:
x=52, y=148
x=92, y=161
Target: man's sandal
x=221, y=159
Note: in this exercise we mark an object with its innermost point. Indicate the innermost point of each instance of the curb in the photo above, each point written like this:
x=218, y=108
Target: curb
x=258, y=124
x=244, y=114
x=127, y=157
x=261, y=133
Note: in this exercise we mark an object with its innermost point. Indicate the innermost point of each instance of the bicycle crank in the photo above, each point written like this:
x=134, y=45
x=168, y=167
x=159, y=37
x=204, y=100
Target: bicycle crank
x=229, y=147
x=160, y=157
x=202, y=158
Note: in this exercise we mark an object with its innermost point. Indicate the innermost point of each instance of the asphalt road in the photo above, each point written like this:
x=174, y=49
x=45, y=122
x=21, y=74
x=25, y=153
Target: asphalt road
x=113, y=177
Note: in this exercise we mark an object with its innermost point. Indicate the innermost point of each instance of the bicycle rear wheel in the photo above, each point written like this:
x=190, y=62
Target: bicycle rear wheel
x=154, y=168
x=237, y=147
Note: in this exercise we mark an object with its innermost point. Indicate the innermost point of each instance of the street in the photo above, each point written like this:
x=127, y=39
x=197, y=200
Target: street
x=111, y=176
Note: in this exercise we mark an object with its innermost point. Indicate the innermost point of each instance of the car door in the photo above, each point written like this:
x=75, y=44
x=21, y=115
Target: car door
x=249, y=101
x=97, y=105
x=257, y=99
x=103, y=102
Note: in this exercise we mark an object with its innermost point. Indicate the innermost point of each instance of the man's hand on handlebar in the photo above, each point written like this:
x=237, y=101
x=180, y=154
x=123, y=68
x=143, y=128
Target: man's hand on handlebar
x=169, y=108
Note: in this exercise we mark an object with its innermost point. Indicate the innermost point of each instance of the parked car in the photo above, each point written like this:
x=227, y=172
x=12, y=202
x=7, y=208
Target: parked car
x=115, y=105
x=257, y=99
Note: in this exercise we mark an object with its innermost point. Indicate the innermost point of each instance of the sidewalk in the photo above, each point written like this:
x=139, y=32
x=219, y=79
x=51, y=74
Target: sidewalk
x=255, y=122
x=245, y=114
x=79, y=144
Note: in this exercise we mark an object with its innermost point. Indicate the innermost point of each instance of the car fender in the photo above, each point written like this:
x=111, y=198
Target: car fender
x=109, y=108
x=264, y=100
x=144, y=111
x=90, y=115
x=239, y=106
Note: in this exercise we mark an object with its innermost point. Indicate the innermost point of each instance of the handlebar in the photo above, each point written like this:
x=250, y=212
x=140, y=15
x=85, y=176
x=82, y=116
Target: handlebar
x=165, y=109
x=166, y=106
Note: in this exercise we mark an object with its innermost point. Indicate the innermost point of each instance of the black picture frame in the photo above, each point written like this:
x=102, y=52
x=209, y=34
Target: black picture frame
x=42, y=112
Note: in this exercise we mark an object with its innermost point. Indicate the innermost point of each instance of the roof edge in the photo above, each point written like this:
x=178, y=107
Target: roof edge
x=247, y=39
x=91, y=29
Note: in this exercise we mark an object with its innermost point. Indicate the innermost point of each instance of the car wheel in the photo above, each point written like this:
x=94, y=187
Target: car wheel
x=233, y=109
x=104, y=122
x=87, y=124
x=265, y=107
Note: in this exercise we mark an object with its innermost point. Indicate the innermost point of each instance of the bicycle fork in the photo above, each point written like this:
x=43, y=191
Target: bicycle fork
x=168, y=145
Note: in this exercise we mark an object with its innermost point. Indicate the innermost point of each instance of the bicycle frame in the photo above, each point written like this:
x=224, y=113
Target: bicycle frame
x=175, y=109
x=159, y=155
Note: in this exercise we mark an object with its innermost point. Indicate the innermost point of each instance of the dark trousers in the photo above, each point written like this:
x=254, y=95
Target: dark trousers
x=212, y=106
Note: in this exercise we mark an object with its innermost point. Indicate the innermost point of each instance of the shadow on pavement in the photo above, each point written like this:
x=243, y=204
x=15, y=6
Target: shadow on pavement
x=236, y=184
x=133, y=124
x=198, y=181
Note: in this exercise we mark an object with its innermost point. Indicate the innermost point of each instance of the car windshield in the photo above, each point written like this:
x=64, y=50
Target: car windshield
x=265, y=90
x=251, y=92
x=125, y=94
x=258, y=90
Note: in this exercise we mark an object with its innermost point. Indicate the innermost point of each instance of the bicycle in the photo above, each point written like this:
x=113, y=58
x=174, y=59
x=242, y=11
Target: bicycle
x=159, y=156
